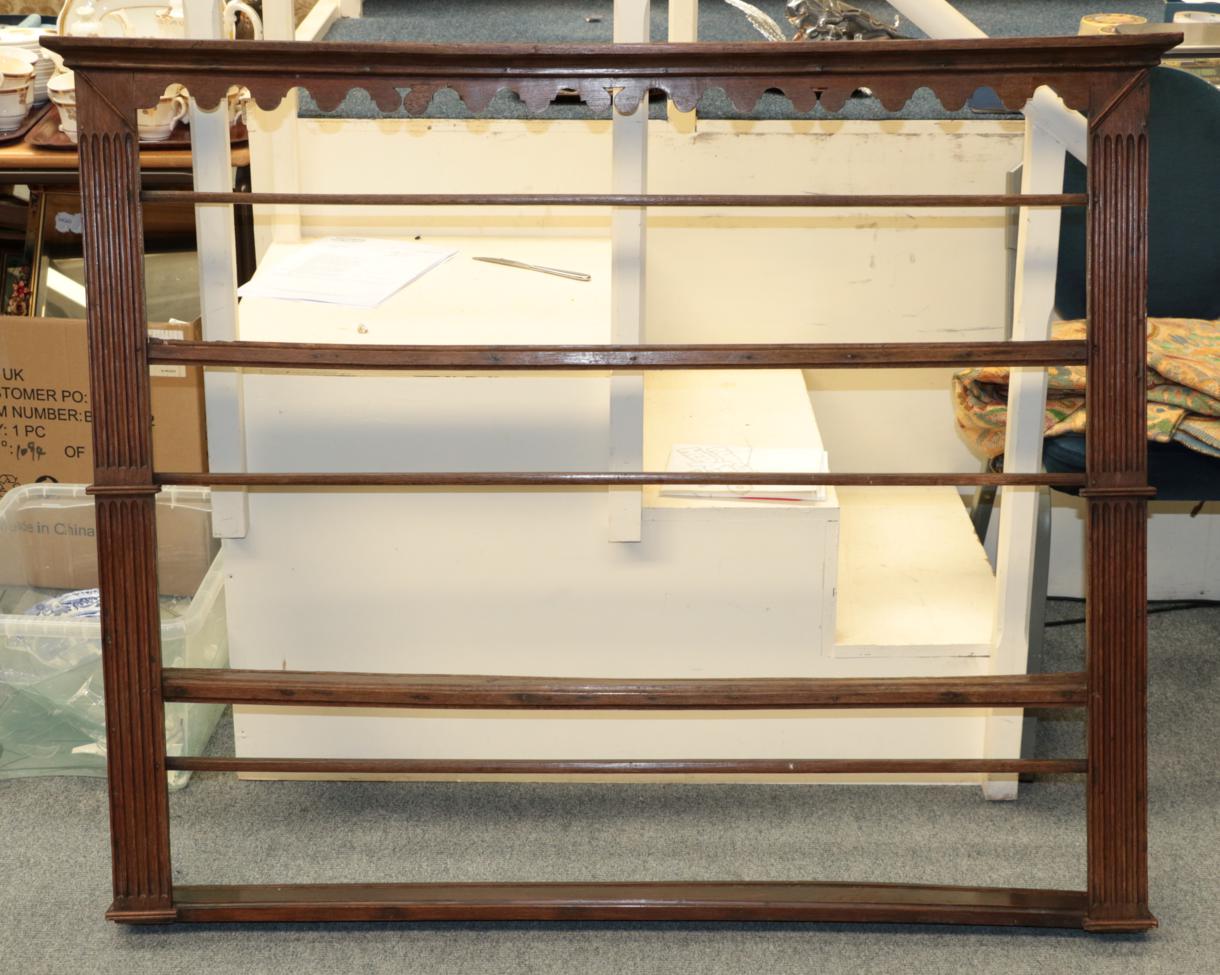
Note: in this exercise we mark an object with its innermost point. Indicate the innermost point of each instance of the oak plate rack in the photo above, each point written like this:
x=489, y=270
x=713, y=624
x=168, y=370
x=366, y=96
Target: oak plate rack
x=1104, y=77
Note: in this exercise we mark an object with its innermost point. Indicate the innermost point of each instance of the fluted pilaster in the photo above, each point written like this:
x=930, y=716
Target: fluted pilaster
x=125, y=501
x=1117, y=491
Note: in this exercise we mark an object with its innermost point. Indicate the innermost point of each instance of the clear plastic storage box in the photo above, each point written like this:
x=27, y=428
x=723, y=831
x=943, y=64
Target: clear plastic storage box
x=52, y=712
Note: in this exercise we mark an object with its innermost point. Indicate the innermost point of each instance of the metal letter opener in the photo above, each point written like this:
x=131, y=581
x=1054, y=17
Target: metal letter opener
x=573, y=275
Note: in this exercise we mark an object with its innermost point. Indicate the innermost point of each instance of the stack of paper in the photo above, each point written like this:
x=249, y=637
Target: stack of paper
x=357, y=271
x=714, y=458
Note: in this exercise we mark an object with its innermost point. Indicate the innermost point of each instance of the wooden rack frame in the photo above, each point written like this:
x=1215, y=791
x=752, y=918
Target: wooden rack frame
x=1107, y=77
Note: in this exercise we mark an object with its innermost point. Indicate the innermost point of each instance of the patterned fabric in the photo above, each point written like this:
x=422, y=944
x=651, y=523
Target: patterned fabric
x=1183, y=390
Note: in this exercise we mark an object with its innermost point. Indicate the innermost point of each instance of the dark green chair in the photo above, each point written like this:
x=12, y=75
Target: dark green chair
x=1183, y=257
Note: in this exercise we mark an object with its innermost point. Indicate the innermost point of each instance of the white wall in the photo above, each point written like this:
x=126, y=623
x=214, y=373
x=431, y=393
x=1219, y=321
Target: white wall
x=766, y=275
x=1183, y=552
x=743, y=275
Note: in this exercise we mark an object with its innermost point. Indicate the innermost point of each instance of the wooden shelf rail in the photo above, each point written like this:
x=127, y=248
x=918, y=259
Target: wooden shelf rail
x=575, y=479
x=829, y=902
x=629, y=766
x=1105, y=77
x=858, y=355
x=339, y=689
x=951, y=201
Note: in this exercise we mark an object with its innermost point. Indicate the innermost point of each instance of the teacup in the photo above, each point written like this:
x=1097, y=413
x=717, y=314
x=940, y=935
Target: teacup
x=62, y=89
x=27, y=37
x=29, y=58
x=238, y=99
x=157, y=123
x=16, y=92
x=67, y=122
x=16, y=71
x=39, y=65
x=14, y=105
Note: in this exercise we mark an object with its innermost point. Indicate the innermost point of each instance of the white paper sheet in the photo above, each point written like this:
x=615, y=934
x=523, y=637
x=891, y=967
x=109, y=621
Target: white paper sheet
x=357, y=271
x=723, y=457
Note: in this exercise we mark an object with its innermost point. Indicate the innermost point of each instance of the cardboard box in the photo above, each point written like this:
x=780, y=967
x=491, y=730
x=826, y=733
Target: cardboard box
x=45, y=406
x=45, y=435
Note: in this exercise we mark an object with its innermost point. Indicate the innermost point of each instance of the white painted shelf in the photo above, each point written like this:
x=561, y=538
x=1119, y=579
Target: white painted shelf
x=526, y=581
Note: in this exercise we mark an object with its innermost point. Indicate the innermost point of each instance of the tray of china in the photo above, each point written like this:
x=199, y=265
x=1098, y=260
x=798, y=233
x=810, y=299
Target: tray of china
x=32, y=118
x=46, y=134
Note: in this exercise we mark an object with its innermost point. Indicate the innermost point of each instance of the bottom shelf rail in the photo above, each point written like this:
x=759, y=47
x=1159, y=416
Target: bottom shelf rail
x=697, y=901
x=626, y=766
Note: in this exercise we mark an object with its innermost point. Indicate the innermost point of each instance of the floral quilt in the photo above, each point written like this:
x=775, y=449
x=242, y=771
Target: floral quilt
x=1183, y=390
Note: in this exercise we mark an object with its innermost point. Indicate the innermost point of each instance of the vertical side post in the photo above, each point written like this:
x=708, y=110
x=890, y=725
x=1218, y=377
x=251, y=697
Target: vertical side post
x=629, y=172
x=125, y=499
x=1117, y=493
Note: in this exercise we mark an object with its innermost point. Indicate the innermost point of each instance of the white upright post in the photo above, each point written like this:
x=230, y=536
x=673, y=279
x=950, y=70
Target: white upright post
x=1033, y=303
x=1051, y=130
x=629, y=169
x=939, y=19
x=683, y=28
x=274, y=161
x=213, y=171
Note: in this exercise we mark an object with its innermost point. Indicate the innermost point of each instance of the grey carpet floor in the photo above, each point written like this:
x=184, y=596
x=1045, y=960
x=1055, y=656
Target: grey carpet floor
x=568, y=21
x=590, y=22
x=54, y=859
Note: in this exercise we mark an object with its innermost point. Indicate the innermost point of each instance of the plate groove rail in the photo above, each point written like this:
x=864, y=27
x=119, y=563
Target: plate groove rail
x=627, y=766
x=706, y=901
x=338, y=689
x=489, y=358
x=186, y=197
x=572, y=479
